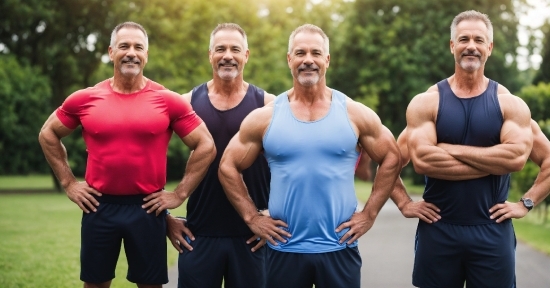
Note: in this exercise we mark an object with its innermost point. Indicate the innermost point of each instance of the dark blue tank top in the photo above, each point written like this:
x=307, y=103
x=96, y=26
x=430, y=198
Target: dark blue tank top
x=475, y=121
x=209, y=212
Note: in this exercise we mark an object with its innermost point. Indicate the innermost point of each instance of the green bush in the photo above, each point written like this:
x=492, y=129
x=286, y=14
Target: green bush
x=25, y=96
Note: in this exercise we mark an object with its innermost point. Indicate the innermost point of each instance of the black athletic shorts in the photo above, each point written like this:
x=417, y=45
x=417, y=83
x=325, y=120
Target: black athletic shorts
x=449, y=255
x=336, y=269
x=214, y=259
x=121, y=219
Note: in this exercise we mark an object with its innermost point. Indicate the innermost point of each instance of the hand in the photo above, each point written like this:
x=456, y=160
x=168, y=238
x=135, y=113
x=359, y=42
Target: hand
x=507, y=210
x=422, y=210
x=81, y=194
x=268, y=229
x=161, y=200
x=258, y=245
x=358, y=225
x=175, y=228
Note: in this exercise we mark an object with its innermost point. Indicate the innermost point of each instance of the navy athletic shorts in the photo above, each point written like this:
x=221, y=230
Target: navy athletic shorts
x=340, y=268
x=450, y=255
x=217, y=259
x=121, y=218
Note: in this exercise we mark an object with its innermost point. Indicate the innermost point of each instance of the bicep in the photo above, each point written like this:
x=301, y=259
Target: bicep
x=54, y=126
x=193, y=138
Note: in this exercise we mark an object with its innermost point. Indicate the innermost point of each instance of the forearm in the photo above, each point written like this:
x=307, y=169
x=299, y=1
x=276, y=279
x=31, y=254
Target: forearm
x=56, y=155
x=383, y=185
x=237, y=193
x=399, y=194
x=498, y=159
x=437, y=163
x=541, y=187
x=196, y=168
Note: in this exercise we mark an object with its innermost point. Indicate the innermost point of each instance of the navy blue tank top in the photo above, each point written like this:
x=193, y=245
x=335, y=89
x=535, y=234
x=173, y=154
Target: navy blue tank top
x=209, y=212
x=474, y=121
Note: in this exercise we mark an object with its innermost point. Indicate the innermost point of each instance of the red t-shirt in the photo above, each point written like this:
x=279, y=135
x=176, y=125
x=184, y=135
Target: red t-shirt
x=127, y=135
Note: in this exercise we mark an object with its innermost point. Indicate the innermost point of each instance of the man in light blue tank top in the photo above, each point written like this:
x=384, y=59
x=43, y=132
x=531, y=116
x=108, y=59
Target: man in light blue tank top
x=310, y=136
x=467, y=134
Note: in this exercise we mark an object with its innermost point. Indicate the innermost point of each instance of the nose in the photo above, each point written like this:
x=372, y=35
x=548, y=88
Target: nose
x=227, y=55
x=308, y=59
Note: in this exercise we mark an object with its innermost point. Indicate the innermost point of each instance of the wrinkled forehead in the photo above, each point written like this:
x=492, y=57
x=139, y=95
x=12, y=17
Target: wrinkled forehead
x=472, y=28
x=228, y=37
x=308, y=40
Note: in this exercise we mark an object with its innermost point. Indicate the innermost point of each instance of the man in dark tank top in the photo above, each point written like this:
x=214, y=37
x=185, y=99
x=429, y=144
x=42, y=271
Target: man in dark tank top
x=467, y=134
x=215, y=244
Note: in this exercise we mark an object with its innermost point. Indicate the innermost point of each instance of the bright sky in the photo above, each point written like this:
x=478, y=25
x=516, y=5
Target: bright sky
x=534, y=18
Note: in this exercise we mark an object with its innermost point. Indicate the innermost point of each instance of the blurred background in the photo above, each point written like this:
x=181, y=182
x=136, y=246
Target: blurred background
x=383, y=53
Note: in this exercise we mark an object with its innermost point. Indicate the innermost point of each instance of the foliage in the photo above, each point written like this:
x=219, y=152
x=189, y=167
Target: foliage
x=24, y=95
x=538, y=99
x=543, y=74
x=395, y=50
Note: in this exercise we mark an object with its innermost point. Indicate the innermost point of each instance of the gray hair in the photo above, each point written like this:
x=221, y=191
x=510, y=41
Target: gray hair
x=308, y=28
x=228, y=26
x=472, y=15
x=128, y=24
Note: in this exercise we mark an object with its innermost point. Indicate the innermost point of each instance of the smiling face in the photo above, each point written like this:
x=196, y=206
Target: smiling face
x=308, y=61
x=228, y=54
x=129, y=52
x=472, y=46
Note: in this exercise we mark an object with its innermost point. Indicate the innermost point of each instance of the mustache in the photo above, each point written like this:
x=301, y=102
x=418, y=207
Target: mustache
x=471, y=53
x=303, y=67
x=130, y=60
x=227, y=62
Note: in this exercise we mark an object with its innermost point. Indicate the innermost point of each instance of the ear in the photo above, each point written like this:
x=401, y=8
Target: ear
x=328, y=60
x=246, y=55
x=288, y=60
x=490, y=49
x=210, y=56
x=452, y=46
x=110, y=50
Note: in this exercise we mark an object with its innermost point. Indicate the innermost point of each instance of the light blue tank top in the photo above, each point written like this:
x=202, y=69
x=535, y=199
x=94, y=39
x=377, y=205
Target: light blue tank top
x=312, y=175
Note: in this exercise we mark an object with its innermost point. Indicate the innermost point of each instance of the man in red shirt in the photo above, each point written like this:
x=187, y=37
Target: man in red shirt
x=127, y=122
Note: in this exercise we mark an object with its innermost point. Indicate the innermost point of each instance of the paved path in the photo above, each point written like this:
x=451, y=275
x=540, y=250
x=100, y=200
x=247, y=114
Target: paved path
x=387, y=253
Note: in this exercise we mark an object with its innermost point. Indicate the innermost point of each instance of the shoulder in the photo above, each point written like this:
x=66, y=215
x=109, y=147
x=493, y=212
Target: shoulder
x=83, y=95
x=268, y=98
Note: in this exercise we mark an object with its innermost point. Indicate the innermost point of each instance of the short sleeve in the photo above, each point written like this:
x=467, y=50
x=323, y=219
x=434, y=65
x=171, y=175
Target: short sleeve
x=183, y=119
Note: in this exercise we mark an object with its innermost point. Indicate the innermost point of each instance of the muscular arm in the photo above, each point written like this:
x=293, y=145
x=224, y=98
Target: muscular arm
x=381, y=147
x=50, y=140
x=515, y=141
x=425, y=211
x=427, y=157
x=239, y=154
x=540, y=155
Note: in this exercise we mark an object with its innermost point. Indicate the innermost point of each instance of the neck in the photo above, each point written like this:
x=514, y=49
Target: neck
x=313, y=93
x=468, y=83
x=128, y=85
x=227, y=88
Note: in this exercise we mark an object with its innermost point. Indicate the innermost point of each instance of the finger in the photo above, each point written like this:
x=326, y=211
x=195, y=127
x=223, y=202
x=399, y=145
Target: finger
x=176, y=244
x=496, y=207
x=85, y=202
x=433, y=207
x=91, y=199
x=342, y=227
x=151, y=196
x=252, y=239
x=189, y=234
x=280, y=223
x=425, y=219
x=504, y=217
x=259, y=245
x=186, y=245
x=345, y=237
x=82, y=207
x=95, y=192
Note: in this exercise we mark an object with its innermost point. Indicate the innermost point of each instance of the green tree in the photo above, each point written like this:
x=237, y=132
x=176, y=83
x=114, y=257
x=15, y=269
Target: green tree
x=395, y=50
x=543, y=74
x=24, y=95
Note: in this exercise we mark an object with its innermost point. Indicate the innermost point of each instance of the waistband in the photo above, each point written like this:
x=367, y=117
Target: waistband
x=121, y=199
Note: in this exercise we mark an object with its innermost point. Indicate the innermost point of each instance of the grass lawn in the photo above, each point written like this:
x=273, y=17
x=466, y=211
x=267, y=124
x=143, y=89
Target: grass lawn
x=26, y=182
x=40, y=242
